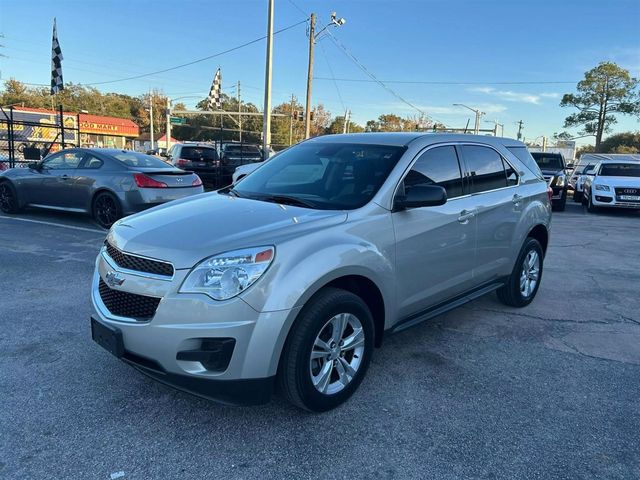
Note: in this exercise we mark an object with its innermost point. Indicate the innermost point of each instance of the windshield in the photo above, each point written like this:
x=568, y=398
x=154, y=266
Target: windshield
x=198, y=153
x=135, y=159
x=325, y=176
x=620, y=170
x=548, y=162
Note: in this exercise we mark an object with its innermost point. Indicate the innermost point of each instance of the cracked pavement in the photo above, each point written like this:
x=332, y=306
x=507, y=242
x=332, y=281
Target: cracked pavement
x=485, y=391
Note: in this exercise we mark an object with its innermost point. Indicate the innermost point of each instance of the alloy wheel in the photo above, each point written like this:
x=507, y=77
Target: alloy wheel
x=337, y=353
x=530, y=274
x=6, y=198
x=106, y=210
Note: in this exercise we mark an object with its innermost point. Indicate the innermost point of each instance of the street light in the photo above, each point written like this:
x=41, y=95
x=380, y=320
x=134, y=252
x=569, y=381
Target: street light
x=496, y=125
x=335, y=22
x=478, y=115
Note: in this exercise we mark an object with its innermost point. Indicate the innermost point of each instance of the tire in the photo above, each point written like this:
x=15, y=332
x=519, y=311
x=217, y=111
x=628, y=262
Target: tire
x=560, y=207
x=577, y=196
x=8, y=198
x=590, y=207
x=299, y=373
x=106, y=209
x=516, y=292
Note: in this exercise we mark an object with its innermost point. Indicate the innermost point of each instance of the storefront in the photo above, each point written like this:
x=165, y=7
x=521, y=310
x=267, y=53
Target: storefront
x=108, y=132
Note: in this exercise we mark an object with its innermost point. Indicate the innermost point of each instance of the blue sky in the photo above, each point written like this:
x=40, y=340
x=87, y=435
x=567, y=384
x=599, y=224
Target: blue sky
x=475, y=45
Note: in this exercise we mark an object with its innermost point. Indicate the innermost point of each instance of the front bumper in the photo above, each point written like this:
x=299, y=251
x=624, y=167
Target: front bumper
x=187, y=323
x=608, y=199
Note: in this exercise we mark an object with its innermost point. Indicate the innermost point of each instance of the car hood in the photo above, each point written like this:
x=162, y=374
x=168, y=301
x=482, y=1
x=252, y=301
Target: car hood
x=633, y=182
x=186, y=231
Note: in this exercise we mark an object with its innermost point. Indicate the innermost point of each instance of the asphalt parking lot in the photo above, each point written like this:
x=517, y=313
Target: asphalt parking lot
x=485, y=391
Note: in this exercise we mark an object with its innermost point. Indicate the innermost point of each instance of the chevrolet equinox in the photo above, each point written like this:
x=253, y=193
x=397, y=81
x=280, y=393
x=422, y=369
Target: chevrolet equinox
x=289, y=279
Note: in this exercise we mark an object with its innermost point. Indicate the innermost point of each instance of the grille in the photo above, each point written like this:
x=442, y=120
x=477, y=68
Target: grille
x=125, y=304
x=131, y=262
x=627, y=191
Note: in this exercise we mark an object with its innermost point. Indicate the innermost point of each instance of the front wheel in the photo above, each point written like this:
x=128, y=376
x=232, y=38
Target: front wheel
x=524, y=281
x=8, y=198
x=106, y=209
x=577, y=196
x=591, y=208
x=327, y=352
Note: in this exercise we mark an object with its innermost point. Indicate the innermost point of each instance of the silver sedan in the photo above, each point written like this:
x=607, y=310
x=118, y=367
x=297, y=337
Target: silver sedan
x=106, y=183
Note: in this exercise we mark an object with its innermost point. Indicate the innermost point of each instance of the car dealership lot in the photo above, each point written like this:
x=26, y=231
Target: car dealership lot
x=549, y=391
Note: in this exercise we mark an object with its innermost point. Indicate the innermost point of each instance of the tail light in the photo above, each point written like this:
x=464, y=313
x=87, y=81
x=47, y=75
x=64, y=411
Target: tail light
x=181, y=162
x=144, y=181
x=196, y=182
x=549, y=192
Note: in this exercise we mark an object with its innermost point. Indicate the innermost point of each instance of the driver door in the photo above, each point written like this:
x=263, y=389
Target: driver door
x=55, y=187
x=435, y=246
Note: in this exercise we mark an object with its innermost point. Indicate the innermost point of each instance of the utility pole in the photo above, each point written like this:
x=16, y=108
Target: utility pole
x=346, y=121
x=291, y=120
x=239, y=114
x=312, y=42
x=168, y=134
x=151, y=118
x=544, y=144
x=266, y=124
x=479, y=114
x=520, y=124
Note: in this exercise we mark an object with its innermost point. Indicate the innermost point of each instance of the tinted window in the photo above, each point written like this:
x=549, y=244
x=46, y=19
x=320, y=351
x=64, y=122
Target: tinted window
x=485, y=168
x=198, y=153
x=135, y=159
x=438, y=166
x=620, y=170
x=548, y=162
x=91, y=163
x=331, y=176
x=525, y=157
x=61, y=161
x=512, y=176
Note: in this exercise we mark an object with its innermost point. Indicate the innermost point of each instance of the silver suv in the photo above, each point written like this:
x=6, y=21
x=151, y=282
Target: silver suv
x=290, y=278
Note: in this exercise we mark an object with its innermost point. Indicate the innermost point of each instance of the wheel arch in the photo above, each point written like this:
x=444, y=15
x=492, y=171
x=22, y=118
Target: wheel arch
x=541, y=234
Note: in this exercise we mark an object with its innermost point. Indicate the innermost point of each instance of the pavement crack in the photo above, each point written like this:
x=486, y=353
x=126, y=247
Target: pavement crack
x=544, y=319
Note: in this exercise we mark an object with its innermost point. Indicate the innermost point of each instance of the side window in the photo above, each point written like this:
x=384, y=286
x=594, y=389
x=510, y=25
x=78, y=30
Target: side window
x=486, y=168
x=91, y=163
x=512, y=176
x=61, y=161
x=437, y=166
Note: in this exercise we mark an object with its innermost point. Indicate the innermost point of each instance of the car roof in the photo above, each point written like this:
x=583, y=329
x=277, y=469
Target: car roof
x=405, y=138
x=624, y=161
x=596, y=157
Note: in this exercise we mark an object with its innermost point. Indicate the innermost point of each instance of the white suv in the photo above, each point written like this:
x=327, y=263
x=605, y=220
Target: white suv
x=614, y=184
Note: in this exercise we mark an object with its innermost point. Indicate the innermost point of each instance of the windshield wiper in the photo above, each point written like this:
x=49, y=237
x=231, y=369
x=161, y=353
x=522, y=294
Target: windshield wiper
x=232, y=192
x=286, y=199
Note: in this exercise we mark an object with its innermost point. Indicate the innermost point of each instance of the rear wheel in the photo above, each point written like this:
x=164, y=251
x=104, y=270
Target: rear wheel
x=327, y=352
x=524, y=281
x=8, y=198
x=106, y=209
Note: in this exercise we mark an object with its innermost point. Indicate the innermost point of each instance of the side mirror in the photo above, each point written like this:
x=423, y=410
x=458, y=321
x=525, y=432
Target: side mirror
x=421, y=196
x=34, y=165
x=570, y=166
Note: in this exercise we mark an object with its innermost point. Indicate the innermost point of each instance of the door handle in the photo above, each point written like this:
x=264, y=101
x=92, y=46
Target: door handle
x=466, y=215
x=517, y=199
x=65, y=177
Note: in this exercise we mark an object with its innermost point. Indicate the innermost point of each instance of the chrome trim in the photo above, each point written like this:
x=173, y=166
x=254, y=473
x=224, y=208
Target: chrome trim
x=102, y=308
x=112, y=263
x=462, y=169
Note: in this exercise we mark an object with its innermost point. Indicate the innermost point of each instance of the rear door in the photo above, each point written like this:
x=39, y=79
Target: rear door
x=435, y=246
x=493, y=186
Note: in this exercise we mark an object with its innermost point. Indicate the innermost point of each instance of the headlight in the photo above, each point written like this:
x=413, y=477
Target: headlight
x=560, y=181
x=604, y=188
x=226, y=275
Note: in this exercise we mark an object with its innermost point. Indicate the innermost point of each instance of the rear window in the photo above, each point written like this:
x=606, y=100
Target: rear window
x=242, y=149
x=135, y=159
x=620, y=170
x=198, y=153
x=548, y=162
x=525, y=157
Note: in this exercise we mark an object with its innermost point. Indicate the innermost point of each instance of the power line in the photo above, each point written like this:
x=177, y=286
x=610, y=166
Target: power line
x=209, y=57
x=428, y=82
x=326, y=58
x=373, y=78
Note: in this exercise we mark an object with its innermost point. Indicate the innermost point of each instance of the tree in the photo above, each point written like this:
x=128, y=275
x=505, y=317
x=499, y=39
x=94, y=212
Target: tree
x=626, y=142
x=605, y=91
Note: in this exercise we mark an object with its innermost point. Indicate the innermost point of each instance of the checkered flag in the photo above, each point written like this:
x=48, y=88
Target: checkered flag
x=215, y=94
x=56, y=63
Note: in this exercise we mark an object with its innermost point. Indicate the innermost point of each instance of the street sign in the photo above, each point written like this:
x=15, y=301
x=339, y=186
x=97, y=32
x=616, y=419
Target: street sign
x=178, y=121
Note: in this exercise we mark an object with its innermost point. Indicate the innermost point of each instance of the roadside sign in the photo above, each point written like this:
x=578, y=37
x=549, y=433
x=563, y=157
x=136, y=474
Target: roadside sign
x=178, y=121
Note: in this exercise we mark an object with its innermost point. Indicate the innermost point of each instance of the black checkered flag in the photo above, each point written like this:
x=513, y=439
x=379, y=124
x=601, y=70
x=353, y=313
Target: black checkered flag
x=215, y=94
x=56, y=63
